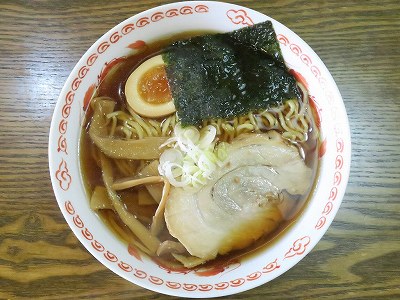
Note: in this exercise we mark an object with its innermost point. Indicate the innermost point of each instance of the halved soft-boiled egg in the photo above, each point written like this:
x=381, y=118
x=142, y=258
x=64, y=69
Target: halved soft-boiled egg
x=147, y=91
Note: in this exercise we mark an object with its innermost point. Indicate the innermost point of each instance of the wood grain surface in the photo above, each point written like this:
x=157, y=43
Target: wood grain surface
x=41, y=41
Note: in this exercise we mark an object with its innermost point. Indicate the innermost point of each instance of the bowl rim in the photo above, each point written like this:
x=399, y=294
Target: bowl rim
x=345, y=134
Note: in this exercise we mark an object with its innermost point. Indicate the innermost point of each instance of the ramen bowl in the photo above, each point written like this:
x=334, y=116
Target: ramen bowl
x=249, y=271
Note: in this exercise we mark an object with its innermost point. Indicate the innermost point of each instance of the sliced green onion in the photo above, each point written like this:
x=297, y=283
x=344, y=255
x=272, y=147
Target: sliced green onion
x=192, y=156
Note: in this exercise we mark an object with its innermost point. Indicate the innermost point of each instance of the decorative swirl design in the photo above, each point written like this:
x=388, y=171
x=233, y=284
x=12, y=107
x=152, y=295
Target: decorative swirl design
x=62, y=144
x=125, y=267
x=69, y=208
x=143, y=22
x=156, y=280
x=97, y=246
x=69, y=98
x=189, y=287
x=295, y=49
x=66, y=110
x=186, y=10
x=62, y=127
x=201, y=8
x=205, y=287
x=237, y=282
x=333, y=193
x=140, y=274
x=110, y=256
x=76, y=83
x=127, y=28
x=338, y=162
x=82, y=72
x=87, y=234
x=254, y=276
x=337, y=178
x=157, y=16
x=339, y=145
x=172, y=13
x=221, y=285
x=173, y=285
x=115, y=37
x=306, y=59
x=283, y=39
x=92, y=59
x=328, y=208
x=316, y=72
x=320, y=223
x=271, y=266
x=239, y=17
x=62, y=175
x=78, y=221
x=299, y=247
x=103, y=47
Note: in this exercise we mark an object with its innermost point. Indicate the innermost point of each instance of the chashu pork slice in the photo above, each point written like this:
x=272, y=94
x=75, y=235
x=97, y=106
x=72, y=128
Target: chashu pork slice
x=242, y=201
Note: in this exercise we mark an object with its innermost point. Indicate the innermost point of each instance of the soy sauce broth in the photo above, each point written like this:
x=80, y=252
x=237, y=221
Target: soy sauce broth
x=113, y=86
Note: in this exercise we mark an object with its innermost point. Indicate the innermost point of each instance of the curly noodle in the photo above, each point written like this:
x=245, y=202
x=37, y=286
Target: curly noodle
x=292, y=119
x=132, y=126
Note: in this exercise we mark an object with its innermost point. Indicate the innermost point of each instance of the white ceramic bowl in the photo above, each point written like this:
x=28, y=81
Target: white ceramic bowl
x=269, y=263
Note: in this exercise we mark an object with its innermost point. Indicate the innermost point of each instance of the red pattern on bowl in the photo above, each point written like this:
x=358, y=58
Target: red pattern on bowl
x=334, y=155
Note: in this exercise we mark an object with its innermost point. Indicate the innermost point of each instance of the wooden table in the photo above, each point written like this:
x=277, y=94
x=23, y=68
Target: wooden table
x=40, y=42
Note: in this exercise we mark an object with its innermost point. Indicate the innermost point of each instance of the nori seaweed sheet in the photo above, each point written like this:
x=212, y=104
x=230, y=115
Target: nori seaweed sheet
x=229, y=74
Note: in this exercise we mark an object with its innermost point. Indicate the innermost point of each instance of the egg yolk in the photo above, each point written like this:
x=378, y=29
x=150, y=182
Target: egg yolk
x=153, y=86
